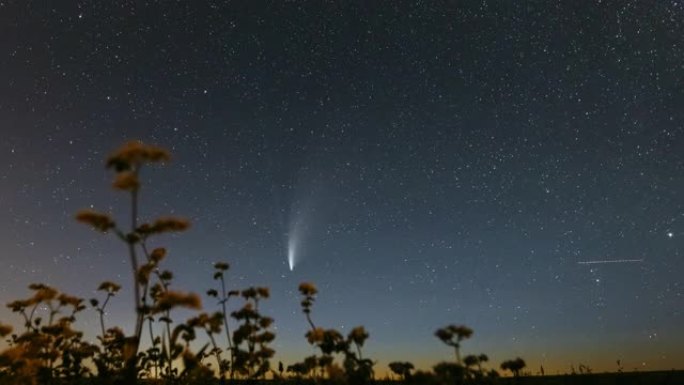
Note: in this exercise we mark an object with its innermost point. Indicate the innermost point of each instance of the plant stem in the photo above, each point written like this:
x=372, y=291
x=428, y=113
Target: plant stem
x=131, y=362
x=224, y=304
x=308, y=318
x=217, y=354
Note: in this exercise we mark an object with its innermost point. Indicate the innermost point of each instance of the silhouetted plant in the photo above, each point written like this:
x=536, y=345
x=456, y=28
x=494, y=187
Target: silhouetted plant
x=308, y=291
x=452, y=335
x=251, y=351
x=473, y=365
x=514, y=366
x=402, y=369
x=109, y=361
x=223, y=297
x=47, y=349
x=304, y=368
x=127, y=162
x=480, y=359
x=450, y=373
x=172, y=348
x=211, y=324
x=357, y=370
x=110, y=288
x=422, y=377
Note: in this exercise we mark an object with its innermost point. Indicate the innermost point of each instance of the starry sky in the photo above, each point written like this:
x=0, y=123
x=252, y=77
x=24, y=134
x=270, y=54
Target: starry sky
x=434, y=162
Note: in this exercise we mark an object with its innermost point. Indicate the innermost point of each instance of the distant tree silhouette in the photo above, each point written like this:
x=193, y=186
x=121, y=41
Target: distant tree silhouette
x=514, y=366
x=452, y=335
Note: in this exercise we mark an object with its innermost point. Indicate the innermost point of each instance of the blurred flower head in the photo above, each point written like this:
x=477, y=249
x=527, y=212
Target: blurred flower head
x=126, y=181
x=170, y=299
x=109, y=287
x=5, y=330
x=308, y=289
x=133, y=154
x=98, y=221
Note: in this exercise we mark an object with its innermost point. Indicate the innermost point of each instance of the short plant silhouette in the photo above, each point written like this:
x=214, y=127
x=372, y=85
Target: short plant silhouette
x=401, y=369
x=251, y=351
x=48, y=348
x=356, y=368
x=514, y=366
x=468, y=370
x=110, y=360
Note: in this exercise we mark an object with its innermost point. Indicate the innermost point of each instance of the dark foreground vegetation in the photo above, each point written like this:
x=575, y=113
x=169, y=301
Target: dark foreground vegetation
x=229, y=345
x=672, y=377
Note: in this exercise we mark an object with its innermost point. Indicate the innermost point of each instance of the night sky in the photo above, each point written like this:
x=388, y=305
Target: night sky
x=428, y=163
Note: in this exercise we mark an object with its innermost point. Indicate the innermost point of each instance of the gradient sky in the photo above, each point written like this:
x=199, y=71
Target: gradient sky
x=435, y=162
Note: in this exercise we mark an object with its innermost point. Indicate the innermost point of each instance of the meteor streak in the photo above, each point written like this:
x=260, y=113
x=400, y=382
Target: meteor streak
x=597, y=262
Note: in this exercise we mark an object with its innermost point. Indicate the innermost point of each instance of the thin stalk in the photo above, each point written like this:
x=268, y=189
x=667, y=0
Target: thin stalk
x=308, y=318
x=217, y=354
x=134, y=263
x=29, y=321
x=156, y=362
x=131, y=364
x=102, y=309
x=458, y=354
x=168, y=336
x=224, y=305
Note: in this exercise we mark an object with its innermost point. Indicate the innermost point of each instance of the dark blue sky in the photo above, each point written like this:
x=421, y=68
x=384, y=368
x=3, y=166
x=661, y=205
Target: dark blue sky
x=444, y=162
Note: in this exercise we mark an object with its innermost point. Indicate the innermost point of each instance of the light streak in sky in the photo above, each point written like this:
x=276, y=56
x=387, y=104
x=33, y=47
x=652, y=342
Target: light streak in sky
x=292, y=243
x=597, y=262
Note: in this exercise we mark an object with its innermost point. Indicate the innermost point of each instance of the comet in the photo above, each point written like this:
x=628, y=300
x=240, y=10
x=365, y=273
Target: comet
x=291, y=251
x=294, y=243
x=599, y=262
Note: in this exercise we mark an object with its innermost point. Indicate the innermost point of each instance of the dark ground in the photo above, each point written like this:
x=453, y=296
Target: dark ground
x=672, y=377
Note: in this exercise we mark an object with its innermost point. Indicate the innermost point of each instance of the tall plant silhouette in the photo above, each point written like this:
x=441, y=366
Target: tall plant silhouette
x=112, y=340
x=127, y=163
x=452, y=335
x=223, y=295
